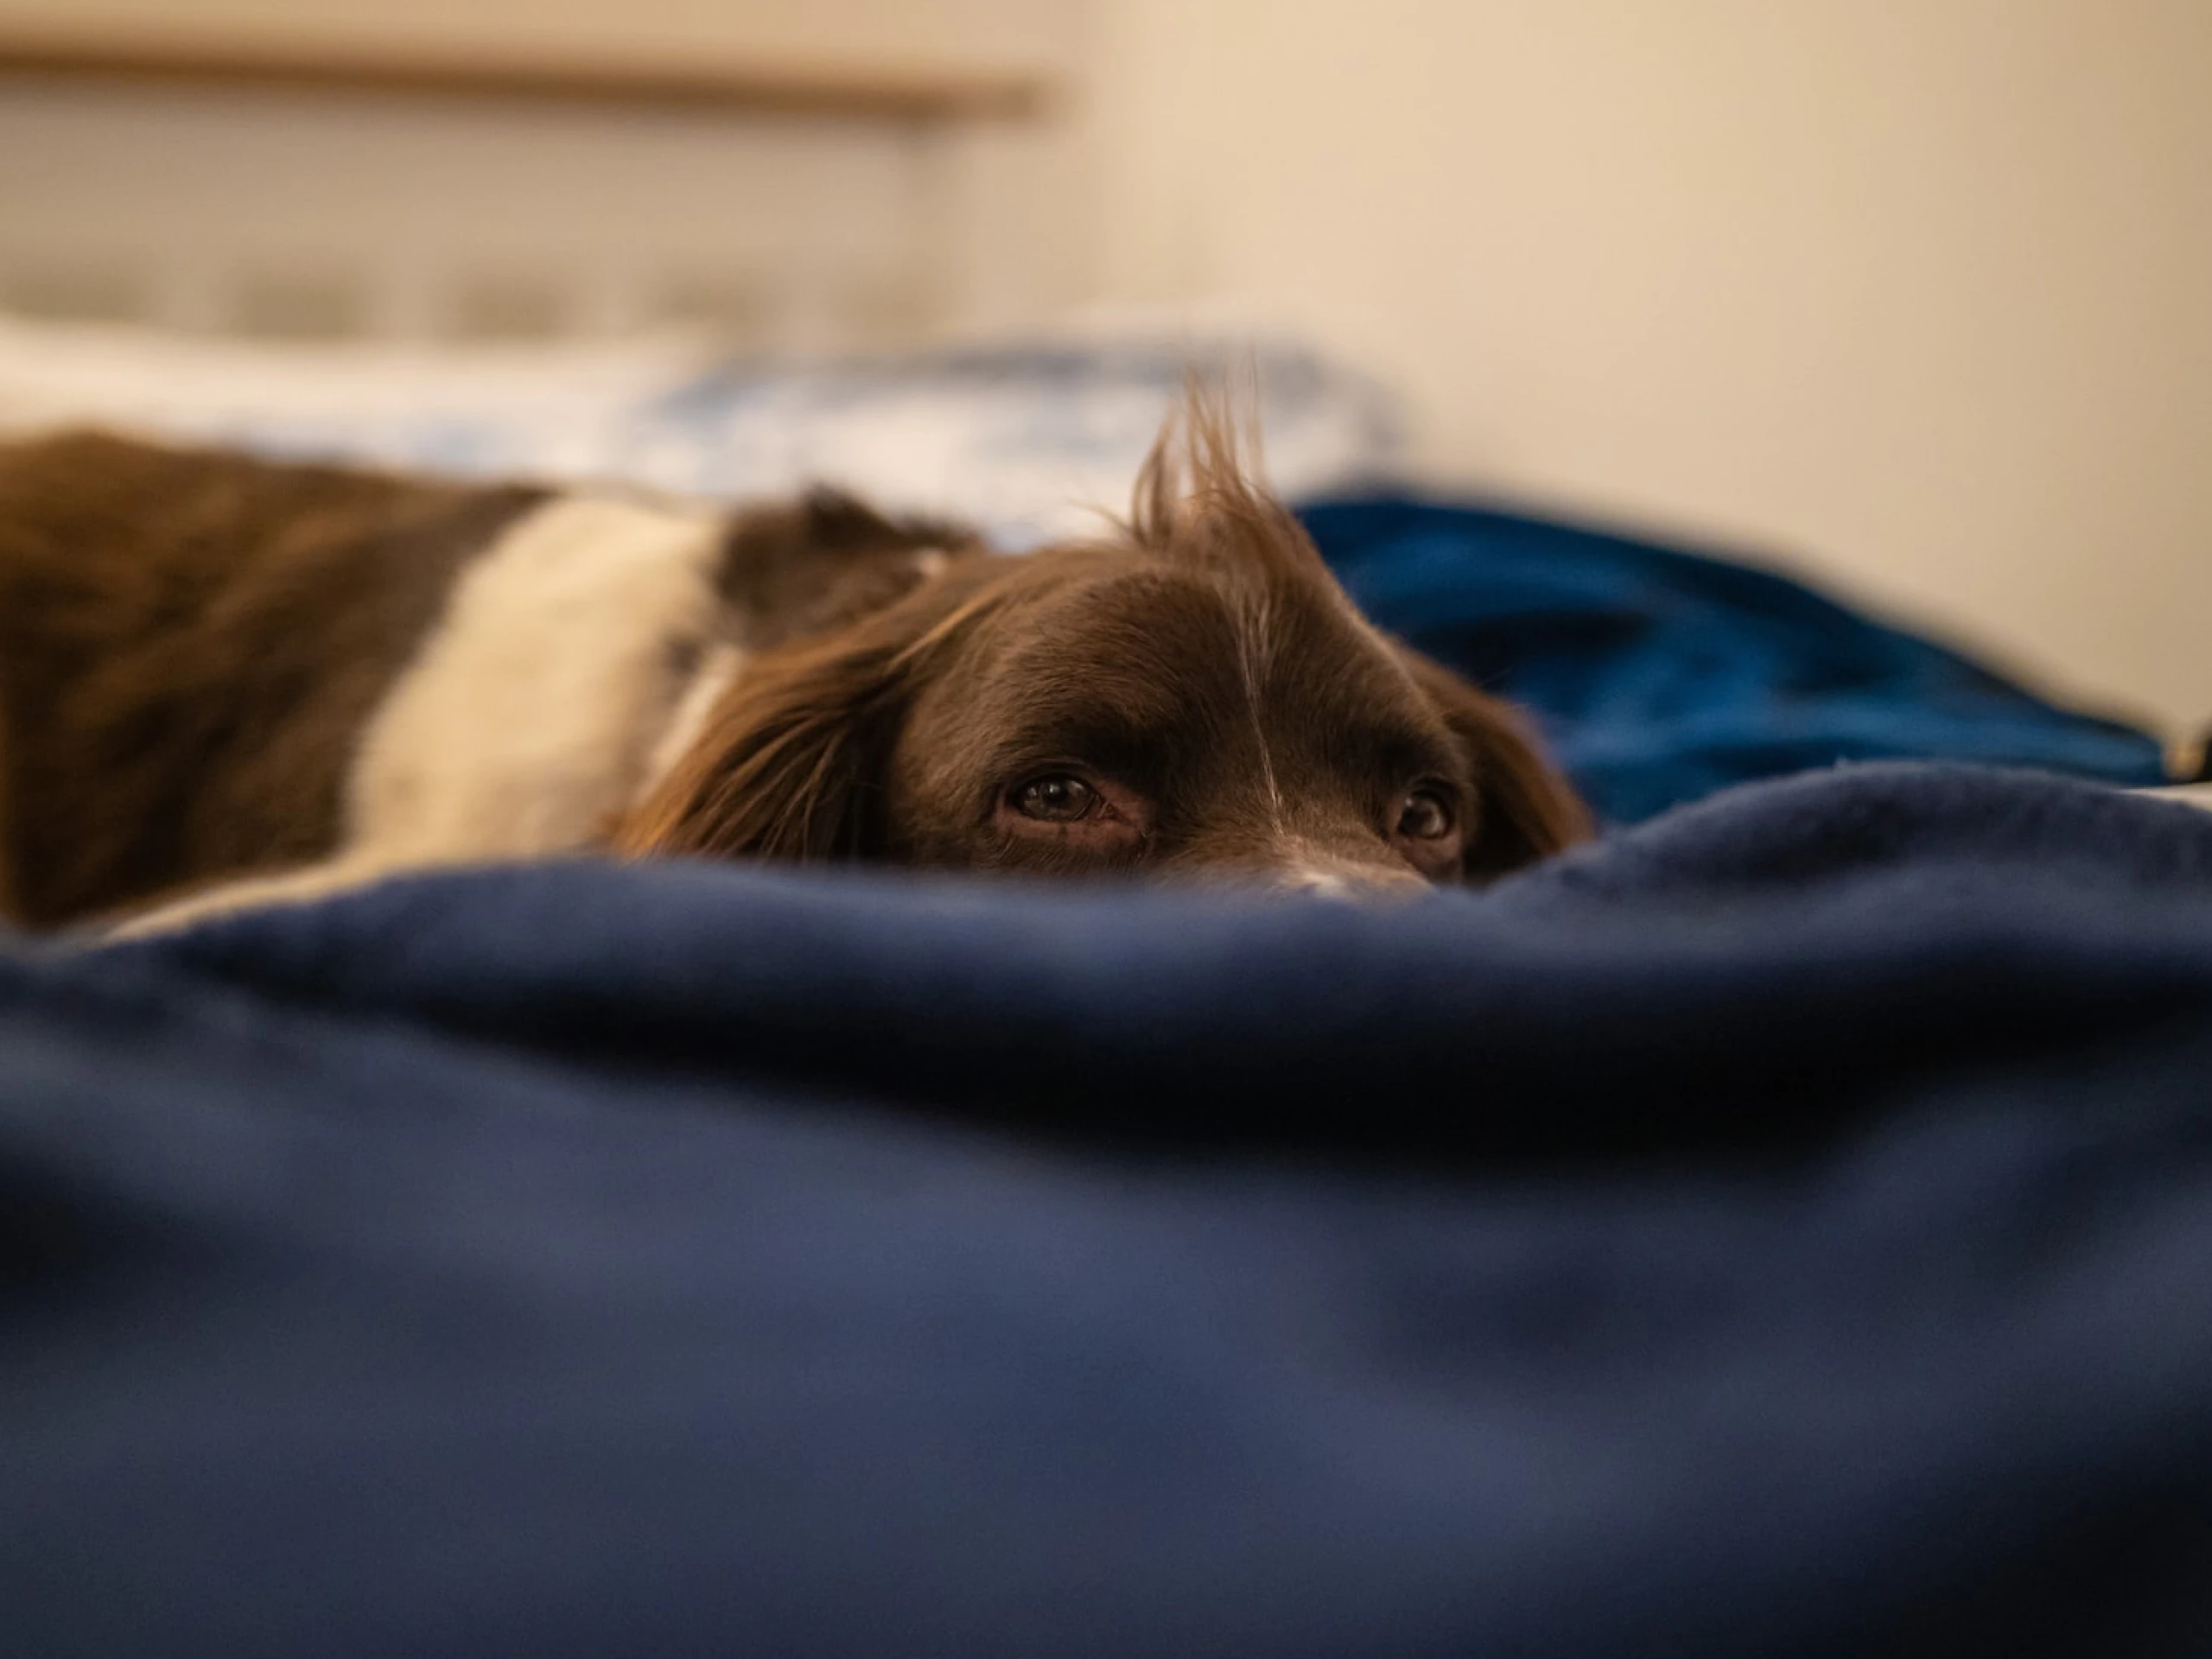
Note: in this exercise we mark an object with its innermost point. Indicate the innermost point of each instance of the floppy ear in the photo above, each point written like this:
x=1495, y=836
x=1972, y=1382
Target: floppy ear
x=787, y=764
x=824, y=561
x=1527, y=809
x=791, y=762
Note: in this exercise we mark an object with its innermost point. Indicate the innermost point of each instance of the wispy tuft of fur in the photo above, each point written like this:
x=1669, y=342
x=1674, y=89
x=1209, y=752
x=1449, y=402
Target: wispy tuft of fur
x=1202, y=492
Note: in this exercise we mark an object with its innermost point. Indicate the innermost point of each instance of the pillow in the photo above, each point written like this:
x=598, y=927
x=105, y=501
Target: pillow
x=1026, y=438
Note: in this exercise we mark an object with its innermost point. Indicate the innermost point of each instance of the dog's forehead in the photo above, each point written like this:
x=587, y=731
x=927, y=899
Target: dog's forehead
x=1174, y=618
x=1166, y=643
x=1153, y=642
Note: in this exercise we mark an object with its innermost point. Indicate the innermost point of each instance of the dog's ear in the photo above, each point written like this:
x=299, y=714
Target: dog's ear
x=787, y=764
x=826, y=560
x=790, y=763
x=1526, y=808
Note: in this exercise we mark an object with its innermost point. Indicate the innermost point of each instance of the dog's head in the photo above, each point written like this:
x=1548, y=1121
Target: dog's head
x=1195, y=695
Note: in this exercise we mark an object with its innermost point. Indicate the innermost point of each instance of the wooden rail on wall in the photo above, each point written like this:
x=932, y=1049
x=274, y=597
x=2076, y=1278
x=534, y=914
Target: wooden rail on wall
x=865, y=92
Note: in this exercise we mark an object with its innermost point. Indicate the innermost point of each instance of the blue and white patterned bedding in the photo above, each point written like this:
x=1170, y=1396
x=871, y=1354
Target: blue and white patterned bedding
x=1027, y=439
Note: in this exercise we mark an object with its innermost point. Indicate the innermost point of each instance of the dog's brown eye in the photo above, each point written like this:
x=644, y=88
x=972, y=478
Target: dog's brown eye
x=1426, y=815
x=1060, y=798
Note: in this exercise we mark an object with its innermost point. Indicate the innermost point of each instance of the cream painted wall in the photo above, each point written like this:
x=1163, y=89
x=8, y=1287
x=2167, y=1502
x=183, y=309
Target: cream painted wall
x=1915, y=294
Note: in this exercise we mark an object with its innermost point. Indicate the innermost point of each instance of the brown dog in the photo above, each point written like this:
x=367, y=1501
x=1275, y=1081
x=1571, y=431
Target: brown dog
x=245, y=682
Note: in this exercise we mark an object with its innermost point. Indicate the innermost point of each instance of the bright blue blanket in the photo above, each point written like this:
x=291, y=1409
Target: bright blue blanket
x=1784, y=1229
x=1660, y=675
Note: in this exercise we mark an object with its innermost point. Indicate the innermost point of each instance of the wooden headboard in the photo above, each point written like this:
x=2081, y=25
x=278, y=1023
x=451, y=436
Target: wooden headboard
x=836, y=173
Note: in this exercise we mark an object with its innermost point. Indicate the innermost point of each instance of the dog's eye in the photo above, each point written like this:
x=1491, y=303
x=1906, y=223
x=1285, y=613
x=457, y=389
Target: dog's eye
x=1425, y=814
x=1060, y=798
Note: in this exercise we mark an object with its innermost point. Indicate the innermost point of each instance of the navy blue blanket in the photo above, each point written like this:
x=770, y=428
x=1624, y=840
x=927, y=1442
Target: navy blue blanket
x=1660, y=675
x=1786, y=1227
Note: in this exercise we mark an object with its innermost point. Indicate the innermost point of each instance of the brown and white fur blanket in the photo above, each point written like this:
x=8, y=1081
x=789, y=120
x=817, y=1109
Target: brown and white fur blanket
x=225, y=680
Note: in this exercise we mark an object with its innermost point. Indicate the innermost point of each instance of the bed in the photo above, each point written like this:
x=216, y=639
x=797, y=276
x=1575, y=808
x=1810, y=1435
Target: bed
x=1782, y=1226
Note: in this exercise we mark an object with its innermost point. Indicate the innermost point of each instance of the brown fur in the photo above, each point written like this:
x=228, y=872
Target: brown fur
x=822, y=563
x=189, y=644
x=1528, y=812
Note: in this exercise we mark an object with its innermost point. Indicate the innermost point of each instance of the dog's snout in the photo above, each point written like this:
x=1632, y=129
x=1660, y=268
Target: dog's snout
x=1353, y=884
x=1318, y=884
